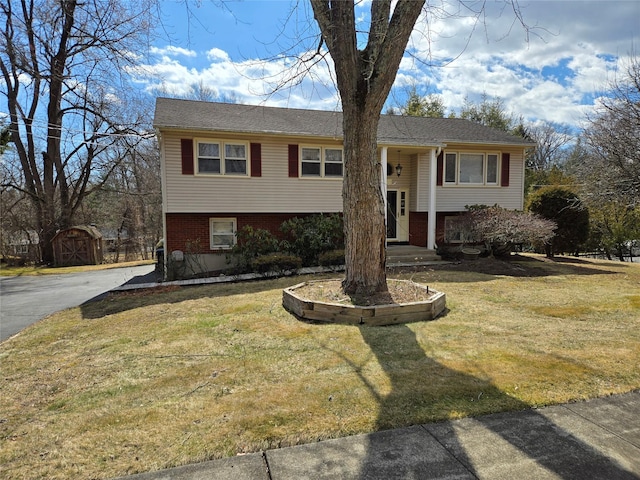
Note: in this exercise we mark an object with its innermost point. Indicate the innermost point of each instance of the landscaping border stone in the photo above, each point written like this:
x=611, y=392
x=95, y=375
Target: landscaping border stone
x=388, y=314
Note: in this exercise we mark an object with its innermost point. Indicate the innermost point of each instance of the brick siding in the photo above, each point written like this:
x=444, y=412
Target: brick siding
x=193, y=228
x=418, y=228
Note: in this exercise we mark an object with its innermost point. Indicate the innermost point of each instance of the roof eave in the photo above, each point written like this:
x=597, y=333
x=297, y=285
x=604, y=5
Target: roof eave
x=269, y=133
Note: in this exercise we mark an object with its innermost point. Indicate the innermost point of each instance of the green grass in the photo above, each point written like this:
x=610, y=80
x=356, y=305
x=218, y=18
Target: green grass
x=150, y=380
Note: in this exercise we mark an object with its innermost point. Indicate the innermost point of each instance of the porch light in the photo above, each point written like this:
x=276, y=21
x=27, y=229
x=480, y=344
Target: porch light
x=398, y=169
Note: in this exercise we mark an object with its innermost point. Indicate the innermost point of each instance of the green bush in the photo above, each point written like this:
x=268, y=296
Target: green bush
x=276, y=262
x=252, y=243
x=561, y=205
x=308, y=237
x=331, y=258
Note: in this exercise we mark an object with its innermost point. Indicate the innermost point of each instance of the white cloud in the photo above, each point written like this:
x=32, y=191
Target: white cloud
x=546, y=72
x=215, y=54
x=171, y=51
x=550, y=71
x=249, y=81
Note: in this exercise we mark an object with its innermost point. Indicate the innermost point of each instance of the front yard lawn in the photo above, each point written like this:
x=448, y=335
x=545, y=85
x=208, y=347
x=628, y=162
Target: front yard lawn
x=153, y=379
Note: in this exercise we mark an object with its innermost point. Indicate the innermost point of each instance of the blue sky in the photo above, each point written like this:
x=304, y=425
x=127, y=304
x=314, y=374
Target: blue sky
x=553, y=72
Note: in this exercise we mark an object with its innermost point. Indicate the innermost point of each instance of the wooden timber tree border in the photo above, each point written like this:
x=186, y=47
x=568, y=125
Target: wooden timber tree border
x=375, y=315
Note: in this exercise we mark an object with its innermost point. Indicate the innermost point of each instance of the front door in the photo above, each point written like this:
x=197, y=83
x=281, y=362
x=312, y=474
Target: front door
x=398, y=215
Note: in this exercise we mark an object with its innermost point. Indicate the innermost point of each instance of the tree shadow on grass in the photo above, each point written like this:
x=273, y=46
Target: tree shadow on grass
x=438, y=450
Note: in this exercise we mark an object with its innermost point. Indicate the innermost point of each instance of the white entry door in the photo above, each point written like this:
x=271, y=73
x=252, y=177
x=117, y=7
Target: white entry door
x=398, y=215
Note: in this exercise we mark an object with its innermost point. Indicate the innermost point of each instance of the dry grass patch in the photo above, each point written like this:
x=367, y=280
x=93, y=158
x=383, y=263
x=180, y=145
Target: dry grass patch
x=31, y=270
x=148, y=381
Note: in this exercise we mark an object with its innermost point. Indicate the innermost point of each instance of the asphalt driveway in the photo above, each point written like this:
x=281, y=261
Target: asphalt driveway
x=26, y=299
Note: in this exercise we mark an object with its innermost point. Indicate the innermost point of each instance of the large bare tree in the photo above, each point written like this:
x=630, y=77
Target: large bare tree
x=613, y=136
x=364, y=77
x=366, y=64
x=60, y=61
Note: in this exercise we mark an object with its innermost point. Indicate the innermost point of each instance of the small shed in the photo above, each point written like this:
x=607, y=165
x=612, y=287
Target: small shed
x=79, y=245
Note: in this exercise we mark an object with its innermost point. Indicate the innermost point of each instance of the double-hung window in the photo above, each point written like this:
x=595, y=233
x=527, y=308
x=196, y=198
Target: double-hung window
x=321, y=162
x=471, y=168
x=332, y=162
x=311, y=162
x=222, y=233
x=220, y=158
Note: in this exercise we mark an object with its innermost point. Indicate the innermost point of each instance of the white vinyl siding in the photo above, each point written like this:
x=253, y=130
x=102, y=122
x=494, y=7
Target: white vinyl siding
x=273, y=192
x=276, y=192
x=451, y=199
x=422, y=183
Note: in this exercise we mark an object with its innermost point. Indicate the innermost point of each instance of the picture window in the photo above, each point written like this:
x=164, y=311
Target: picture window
x=471, y=168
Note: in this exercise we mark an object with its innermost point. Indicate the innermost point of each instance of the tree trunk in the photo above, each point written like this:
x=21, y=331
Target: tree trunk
x=364, y=78
x=363, y=207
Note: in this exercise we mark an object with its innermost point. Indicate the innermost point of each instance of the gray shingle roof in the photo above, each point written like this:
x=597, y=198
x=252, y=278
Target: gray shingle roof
x=392, y=129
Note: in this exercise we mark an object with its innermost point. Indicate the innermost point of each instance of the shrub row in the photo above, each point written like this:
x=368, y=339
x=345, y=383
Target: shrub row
x=313, y=240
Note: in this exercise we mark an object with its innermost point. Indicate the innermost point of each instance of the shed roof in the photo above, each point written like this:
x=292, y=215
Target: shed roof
x=255, y=119
x=89, y=229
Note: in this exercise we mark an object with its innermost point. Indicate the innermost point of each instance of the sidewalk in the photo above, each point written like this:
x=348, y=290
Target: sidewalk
x=596, y=439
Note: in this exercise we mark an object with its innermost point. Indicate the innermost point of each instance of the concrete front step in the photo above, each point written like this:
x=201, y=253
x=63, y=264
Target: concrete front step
x=410, y=254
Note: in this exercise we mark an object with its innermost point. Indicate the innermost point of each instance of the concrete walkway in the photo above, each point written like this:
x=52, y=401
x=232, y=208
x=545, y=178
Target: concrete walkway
x=596, y=439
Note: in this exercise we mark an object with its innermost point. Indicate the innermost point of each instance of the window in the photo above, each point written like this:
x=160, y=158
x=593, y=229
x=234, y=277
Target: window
x=321, y=162
x=222, y=232
x=454, y=229
x=209, y=158
x=21, y=249
x=332, y=162
x=310, y=162
x=471, y=168
x=235, y=159
x=451, y=168
x=492, y=169
x=218, y=158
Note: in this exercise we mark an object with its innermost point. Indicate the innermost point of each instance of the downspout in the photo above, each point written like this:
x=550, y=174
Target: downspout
x=163, y=186
x=431, y=212
x=383, y=184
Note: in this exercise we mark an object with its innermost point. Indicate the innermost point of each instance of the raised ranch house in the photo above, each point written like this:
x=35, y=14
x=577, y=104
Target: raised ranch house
x=225, y=166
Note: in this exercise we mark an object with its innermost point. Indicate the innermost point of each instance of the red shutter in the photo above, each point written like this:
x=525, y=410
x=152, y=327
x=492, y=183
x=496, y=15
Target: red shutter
x=293, y=160
x=256, y=160
x=504, y=173
x=440, y=168
x=186, y=148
